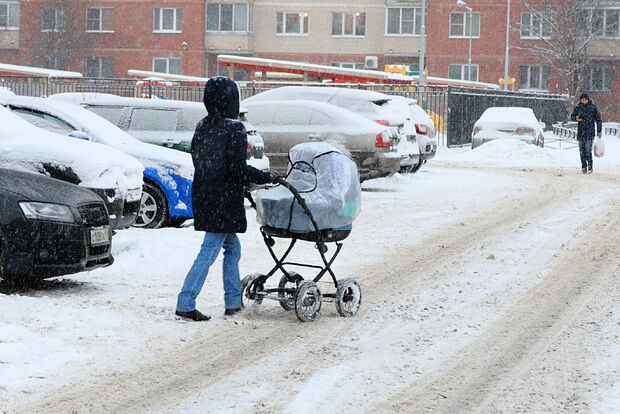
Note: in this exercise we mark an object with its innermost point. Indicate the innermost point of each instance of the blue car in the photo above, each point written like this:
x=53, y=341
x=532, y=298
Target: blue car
x=168, y=174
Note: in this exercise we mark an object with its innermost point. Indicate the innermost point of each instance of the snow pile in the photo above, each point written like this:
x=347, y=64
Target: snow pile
x=508, y=151
x=28, y=148
x=517, y=153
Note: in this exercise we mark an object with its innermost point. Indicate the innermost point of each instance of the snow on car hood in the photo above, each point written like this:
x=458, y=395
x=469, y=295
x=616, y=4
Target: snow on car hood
x=104, y=132
x=25, y=147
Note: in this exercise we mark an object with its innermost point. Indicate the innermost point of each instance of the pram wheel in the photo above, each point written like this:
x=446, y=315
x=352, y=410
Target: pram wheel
x=249, y=286
x=307, y=301
x=348, y=297
x=287, y=288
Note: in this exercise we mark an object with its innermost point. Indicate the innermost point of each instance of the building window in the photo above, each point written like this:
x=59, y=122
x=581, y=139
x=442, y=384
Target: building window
x=99, y=67
x=53, y=19
x=348, y=65
x=100, y=19
x=404, y=21
x=534, y=77
x=597, y=79
x=228, y=17
x=292, y=23
x=535, y=26
x=167, y=20
x=52, y=62
x=463, y=72
x=460, y=24
x=167, y=65
x=9, y=15
x=600, y=23
x=348, y=24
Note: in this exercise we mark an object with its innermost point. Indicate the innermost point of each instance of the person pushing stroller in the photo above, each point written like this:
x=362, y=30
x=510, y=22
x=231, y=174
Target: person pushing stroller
x=219, y=152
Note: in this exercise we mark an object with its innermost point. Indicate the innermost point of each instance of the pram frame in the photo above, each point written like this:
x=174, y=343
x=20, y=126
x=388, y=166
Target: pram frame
x=255, y=284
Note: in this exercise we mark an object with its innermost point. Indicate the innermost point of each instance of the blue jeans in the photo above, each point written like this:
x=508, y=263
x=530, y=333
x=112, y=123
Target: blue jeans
x=195, y=279
x=585, y=151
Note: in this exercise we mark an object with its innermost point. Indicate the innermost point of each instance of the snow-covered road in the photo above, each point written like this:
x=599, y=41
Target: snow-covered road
x=488, y=287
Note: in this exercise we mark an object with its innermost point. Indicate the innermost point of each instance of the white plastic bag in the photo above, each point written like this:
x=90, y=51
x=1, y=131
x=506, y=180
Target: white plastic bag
x=599, y=147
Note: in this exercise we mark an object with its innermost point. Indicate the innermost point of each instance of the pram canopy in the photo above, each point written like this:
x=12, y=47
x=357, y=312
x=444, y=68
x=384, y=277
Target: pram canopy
x=328, y=181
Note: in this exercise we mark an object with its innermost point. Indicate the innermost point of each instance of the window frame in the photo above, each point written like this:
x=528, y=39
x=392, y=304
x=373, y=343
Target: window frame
x=541, y=77
x=304, y=23
x=590, y=18
x=355, y=15
x=463, y=66
x=177, y=18
x=11, y=5
x=417, y=11
x=248, y=20
x=348, y=65
x=57, y=22
x=100, y=61
x=607, y=69
x=465, y=25
x=168, y=59
x=530, y=27
x=101, y=30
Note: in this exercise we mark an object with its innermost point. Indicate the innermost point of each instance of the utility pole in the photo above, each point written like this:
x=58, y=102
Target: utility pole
x=507, y=57
x=422, y=44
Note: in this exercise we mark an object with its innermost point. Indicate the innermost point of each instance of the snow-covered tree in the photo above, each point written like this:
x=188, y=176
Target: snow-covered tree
x=562, y=31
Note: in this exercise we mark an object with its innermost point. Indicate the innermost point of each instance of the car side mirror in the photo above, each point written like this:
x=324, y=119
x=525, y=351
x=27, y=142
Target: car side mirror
x=80, y=135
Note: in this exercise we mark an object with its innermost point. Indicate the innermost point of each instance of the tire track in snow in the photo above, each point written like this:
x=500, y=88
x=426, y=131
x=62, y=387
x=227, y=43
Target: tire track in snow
x=483, y=376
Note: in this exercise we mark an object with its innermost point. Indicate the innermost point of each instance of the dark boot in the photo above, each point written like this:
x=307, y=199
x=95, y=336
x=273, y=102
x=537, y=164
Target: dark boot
x=194, y=315
x=230, y=312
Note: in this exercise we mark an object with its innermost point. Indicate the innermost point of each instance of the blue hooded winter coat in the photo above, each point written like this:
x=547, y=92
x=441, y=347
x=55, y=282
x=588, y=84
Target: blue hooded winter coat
x=219, y=152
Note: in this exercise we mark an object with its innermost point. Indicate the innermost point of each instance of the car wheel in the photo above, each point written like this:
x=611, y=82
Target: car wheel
x=153, y=208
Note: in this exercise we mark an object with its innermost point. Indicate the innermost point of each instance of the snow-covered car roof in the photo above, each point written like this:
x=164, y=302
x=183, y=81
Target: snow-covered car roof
x=347, y=120
x=318, y=93
x=365, y=103
x=25, y=147
x=115, y=100
x=508, y=117
x=105, y=132
x=410, y=107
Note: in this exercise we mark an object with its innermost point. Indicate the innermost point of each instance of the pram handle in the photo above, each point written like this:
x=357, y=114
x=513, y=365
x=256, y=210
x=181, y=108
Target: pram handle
x=300, y=200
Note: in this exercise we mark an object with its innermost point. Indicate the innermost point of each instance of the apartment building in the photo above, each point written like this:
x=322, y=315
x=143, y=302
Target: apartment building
x=105, y=38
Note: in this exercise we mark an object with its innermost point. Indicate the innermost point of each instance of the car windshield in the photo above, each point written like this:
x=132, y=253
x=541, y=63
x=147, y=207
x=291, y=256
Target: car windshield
x=44, y=121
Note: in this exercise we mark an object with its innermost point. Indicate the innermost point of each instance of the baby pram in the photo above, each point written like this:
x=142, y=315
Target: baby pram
x=316, y=202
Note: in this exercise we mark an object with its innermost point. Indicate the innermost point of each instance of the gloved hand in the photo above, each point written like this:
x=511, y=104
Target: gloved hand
x=274, y=177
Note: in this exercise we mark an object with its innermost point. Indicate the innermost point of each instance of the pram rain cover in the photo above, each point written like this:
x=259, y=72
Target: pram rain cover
x=327, y=180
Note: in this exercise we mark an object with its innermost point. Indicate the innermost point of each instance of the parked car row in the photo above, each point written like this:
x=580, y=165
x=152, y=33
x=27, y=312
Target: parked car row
x=75, y=167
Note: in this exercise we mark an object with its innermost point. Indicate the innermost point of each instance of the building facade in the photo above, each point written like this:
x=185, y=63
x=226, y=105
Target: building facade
x=105, y=38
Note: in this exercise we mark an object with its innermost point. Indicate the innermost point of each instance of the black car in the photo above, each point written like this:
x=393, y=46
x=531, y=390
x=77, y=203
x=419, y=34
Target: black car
x=50, y=228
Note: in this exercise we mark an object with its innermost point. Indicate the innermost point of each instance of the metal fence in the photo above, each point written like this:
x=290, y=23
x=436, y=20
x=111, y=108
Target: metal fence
x=612, y=128
x=465, y=106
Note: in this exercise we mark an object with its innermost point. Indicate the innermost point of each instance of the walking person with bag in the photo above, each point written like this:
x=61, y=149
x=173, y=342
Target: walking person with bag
x=219, y=152
x=589, y=125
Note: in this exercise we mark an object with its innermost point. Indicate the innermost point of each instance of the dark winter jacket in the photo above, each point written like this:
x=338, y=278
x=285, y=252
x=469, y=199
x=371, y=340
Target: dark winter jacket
x=590, y=119
x=219, y=151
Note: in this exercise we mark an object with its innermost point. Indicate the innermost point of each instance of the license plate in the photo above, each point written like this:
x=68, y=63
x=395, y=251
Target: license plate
x=99, y=236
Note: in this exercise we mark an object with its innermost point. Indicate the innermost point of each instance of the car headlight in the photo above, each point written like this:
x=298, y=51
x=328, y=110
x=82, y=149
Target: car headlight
x=134, y=195
x=47, y=211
